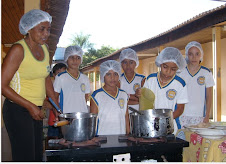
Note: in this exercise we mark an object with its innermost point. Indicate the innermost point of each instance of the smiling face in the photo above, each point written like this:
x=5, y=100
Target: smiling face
x=168, y=70
x=111, y=78
x=40, y=33
x=128, y=66
x=194, y=56
x=74, y=62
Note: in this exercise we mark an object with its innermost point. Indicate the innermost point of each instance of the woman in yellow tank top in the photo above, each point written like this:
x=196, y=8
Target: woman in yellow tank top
x=25, y=84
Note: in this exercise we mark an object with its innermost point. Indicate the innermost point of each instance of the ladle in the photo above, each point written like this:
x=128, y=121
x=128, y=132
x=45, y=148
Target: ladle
x=57, y=108
x=136, y=111
x=59, y=123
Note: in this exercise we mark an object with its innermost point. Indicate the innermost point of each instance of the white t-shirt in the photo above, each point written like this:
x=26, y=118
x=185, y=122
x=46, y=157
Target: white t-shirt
x=72, y=91
x=131, y=86
x=197, y=85
x=111, y=112
x=166, y=97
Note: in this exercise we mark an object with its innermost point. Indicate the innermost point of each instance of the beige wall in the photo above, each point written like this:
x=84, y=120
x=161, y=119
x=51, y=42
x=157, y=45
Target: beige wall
x=223, y=80
x=149, y=66
x=208, y=57
x=208, y=62
x=31, y=4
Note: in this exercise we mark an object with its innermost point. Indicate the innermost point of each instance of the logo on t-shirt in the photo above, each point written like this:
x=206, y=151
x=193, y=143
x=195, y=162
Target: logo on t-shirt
x=135, y=86
x=121, y=103
x=83, y=87
x=201, y=80
x=171, y=93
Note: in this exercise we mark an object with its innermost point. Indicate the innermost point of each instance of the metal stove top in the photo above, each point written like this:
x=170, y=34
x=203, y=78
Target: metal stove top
x=112, y=146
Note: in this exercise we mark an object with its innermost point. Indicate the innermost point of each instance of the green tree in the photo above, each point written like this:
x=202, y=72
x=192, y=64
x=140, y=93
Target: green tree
x=91, y=53
x=81, y=40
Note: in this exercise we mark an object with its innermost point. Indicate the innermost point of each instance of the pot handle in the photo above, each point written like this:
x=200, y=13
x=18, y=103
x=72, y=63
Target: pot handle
x=61, y=123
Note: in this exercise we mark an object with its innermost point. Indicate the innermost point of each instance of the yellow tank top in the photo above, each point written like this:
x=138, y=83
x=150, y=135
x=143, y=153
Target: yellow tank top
x=29, y=80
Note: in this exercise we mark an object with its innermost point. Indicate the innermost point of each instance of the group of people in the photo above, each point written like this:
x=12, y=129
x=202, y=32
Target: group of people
x=182, y=85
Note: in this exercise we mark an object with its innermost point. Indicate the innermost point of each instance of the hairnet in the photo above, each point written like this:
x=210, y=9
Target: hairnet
x=193, y=44
x=107, y=66
x=32, y=18
x=171, y=54
x=71, y=51
x=129, y=54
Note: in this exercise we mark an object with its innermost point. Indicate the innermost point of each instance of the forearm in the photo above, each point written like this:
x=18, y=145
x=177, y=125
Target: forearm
x=93, y=107
x=127, y=123
x=208, y=110
x=208, y=102
x=50, y=91
x=87, y=95
x=131, y=102
x=178, y=111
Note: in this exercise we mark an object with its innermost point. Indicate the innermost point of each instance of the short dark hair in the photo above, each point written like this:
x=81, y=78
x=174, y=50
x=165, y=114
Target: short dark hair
x=59, y=66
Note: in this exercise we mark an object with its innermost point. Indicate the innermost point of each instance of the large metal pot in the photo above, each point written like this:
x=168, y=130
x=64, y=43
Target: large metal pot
x=81, y=126
x=152, y=123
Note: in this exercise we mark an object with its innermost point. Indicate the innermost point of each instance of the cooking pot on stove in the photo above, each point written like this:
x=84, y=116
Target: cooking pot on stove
x=80, y=126
x=152, y=123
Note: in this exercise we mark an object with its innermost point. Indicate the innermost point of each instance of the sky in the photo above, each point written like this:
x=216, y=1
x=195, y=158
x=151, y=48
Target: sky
x=121, y=23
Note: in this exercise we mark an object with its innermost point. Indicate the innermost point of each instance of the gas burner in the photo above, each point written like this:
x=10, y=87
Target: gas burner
x=142, y=140
x=170, y=137
x=93, y=142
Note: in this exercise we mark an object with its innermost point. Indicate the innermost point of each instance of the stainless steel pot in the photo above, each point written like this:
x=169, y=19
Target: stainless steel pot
x=152, y=123
x=81, y=126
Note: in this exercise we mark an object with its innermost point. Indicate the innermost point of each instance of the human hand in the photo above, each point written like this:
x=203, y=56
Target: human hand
x=206, y=120
x=35, y=112
x=42, y=114
x=138, y=92
x=56, y=113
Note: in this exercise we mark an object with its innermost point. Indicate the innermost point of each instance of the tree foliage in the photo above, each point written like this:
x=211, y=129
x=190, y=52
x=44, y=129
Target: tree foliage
x=81, y=40
x=91, y=53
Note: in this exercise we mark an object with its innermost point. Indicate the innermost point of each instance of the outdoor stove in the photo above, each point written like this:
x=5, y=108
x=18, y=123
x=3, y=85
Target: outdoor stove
x=103, y=148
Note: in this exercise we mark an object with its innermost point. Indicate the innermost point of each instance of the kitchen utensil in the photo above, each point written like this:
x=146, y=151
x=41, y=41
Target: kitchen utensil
x=134, y=110
x=61, y=123
x=193, y=129
x=218, y=125
x=211, y=133
x=53, y=103
x=81, y=127
x=147, y=99
x=152, y=123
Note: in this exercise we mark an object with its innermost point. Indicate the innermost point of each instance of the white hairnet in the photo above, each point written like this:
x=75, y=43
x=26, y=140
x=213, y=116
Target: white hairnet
x=129, y=54
x=107, y=66
x=193, y=44
x=171, y=54
x=32, y=18
x=71, y=51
